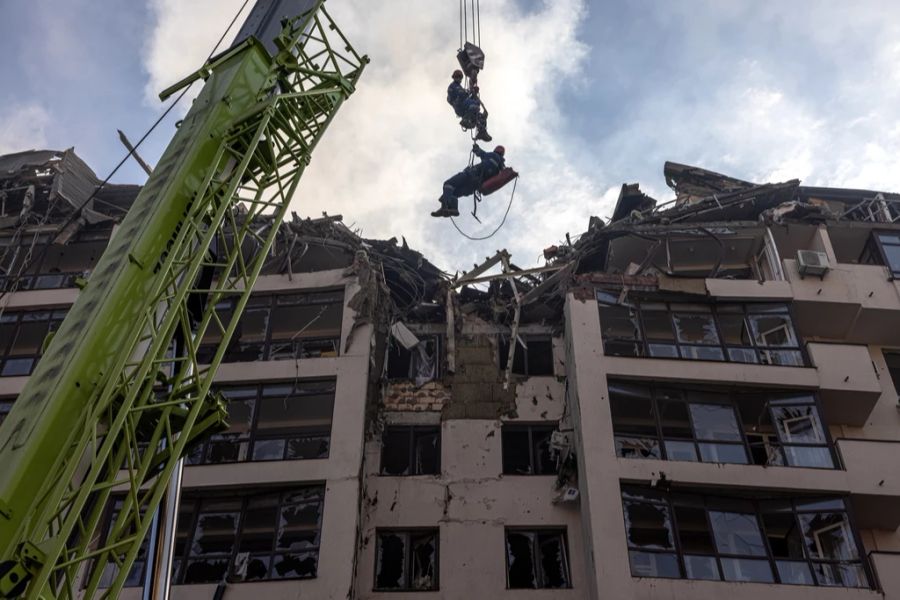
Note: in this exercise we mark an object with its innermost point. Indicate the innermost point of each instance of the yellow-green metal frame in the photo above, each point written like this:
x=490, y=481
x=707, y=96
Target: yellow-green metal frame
x=258, y=119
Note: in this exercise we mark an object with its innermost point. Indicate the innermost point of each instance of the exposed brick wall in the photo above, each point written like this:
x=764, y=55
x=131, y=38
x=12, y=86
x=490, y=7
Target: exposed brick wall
x=405, y=396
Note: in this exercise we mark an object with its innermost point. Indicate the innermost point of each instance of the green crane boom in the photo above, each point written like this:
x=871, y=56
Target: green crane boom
x=119, y=395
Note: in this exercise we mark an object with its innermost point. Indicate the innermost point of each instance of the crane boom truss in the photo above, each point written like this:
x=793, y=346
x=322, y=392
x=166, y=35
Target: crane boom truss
x=259, y=118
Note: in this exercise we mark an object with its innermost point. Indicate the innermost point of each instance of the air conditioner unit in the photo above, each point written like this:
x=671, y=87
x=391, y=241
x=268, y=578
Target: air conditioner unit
x=811, y=262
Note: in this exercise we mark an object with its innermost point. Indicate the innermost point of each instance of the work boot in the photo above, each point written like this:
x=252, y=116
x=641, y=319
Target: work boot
x=451, y=208
x=483, y=135
x=441, y=212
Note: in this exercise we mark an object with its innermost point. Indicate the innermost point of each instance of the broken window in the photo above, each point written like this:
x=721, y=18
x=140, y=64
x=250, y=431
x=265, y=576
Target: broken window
x=760, y=333
x=272, y=421
x=406, y=560
x=532, y=359
x=537, y=559
x=892, y=360
x=526, y=450
x=807, y=541
x=883, y=248
x=408, y=450
x=709, y=425
x=249, y=536
x=280, y=327
x=22, y=336
x=421, y=363
x=33, y=263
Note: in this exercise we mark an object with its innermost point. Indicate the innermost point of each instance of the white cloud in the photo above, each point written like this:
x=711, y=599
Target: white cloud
x=23, y=127
x=385, y=157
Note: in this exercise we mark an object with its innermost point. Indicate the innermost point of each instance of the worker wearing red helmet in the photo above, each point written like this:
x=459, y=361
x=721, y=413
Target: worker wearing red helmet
x=467, y=106
x=469, y=180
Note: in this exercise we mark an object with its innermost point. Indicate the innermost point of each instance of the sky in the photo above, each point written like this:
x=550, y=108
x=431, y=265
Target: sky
x=584, y=94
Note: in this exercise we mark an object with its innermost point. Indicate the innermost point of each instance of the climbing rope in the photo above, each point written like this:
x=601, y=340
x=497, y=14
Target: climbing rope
x=491, y=234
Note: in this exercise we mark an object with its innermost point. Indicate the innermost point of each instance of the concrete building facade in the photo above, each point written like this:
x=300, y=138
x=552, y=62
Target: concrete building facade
x=698, y=399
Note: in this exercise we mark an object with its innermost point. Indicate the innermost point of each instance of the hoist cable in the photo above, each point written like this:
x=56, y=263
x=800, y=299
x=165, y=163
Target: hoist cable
x=77, y=212
x=479, y=22
x=491, y=234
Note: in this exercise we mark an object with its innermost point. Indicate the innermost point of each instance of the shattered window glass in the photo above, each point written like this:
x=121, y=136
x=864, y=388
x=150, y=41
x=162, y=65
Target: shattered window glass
x=803, y=541
x=272, y=421
x=406, y=560
x=746, y=333
x=536, y=559
x=411, y=450
x=422, y=363
x=720, y=426
x=250, y=537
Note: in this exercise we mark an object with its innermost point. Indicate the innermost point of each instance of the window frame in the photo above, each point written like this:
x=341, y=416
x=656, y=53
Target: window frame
x=269, y=349
x=55, y=317
x=503, y=342
x=253, y=434
x=875, y=248
x=516, y=427
x=708, y=504
x=408, y=533
x=34, y=276
x=412, y=432
x=687, y=396
x=537, y=556
x=436, y=338
x=643, y=344
x=197, y=502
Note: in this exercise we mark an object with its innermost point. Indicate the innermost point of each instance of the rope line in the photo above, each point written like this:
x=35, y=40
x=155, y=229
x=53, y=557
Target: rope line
x=491, y=234
x=77, y=212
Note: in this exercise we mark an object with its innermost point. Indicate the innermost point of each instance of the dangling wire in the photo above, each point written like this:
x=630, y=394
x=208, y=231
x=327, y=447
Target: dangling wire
x=491, y=234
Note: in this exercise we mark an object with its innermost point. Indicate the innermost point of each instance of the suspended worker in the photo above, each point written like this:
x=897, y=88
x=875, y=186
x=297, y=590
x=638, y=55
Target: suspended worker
x=469, y=180
x=467, y=105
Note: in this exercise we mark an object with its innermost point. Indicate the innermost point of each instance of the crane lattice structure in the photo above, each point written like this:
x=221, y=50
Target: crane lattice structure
x=120, y=393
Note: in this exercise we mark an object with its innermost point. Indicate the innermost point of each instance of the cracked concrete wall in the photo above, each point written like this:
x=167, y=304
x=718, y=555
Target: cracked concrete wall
x=471, y=502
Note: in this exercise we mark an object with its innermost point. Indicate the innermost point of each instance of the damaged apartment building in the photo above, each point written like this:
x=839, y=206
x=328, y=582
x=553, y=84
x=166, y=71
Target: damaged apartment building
x=697, y=399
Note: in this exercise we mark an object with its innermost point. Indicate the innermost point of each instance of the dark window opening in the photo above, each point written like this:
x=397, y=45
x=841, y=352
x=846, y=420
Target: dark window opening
x=746, y=333
x=537, y=559
x=526, y=450
x=892, y=360
x=799, y=541
x=406, y=560
x=272, y=535
x=279, y=327
x=33, y=263
x=422, y=363
x=706, y=425
x=883, y=248
x=411, y=451
x=22, y=336
x=534, y=358
x=272, y=421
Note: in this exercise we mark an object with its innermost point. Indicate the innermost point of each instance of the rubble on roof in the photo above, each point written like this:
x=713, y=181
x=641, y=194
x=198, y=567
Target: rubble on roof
x=47, y=187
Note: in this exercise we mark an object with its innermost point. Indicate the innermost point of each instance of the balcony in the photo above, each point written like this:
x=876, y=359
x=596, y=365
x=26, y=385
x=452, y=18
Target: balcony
x=852, y=302
x=873, y=475
x=848, y=384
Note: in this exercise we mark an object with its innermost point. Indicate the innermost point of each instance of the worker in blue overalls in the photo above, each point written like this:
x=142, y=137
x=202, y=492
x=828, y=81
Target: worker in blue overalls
x=469, y=180
x=467, y=106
